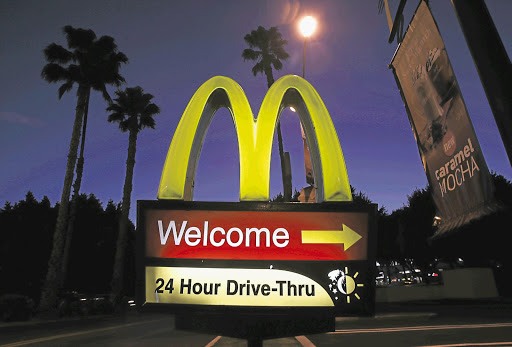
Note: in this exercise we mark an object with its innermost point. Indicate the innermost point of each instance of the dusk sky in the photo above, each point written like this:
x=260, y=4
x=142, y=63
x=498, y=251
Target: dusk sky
x=175, y=46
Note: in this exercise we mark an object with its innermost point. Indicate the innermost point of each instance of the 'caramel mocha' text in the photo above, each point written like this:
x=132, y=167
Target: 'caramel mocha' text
x=457, y=170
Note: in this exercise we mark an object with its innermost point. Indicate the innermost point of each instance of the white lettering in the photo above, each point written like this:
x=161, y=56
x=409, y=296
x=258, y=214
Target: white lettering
x=457, y=177
x=212, y=237
x=195, y=233
x=172, y=226
x=217, y=237
x=257, y=233
x=285, y=237
x=448, y=182
x=163, y=238
x=464, y=171
x=205, y=234
x=473, y=165
x=455, y=162
x=442, y=186
x=240, y=237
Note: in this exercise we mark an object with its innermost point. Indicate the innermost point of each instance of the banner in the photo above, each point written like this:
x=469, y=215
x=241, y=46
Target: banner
x=451, y=155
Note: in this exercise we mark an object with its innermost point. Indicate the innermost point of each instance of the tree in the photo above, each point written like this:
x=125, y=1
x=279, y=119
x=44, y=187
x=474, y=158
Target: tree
x=133, y=110
x=26, y=230
x=25, y=235
x=91, y=63
x=280, y=198
x=93, y=248
x=408, y=234
x=267, y=50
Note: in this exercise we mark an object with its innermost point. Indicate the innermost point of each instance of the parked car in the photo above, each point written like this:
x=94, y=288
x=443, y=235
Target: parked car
x=101, y=304
x=71, y=303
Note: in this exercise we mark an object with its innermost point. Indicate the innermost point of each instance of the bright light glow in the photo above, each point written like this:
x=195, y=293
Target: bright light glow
x=307, y=26
x=292, y=109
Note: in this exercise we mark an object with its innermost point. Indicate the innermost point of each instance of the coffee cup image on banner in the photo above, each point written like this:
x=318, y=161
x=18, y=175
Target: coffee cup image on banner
x=435, y=87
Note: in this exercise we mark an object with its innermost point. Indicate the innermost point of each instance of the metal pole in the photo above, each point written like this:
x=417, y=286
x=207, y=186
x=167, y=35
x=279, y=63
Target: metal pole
x=304, y=59
x=308, y=167
x=388, y=16
x=396, y=21
x=491, y=61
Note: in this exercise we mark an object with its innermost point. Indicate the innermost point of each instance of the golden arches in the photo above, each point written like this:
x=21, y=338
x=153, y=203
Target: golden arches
x=255, y=138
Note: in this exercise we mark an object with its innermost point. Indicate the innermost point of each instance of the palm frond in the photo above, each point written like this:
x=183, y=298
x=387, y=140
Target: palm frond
x=262, y=37
x=55, y=53
x=280, y=53
x=66, y=87
x=250, y=39
x=78, y=38
x=105, y=94
x=105, y=45
x=75, y=73
x=113, y=78
x=250, y=54
x=146, y=99
x=259, y=67
x=151, y=109
x=116, y=116
x=273, y=34
x=278, y=65
x=53, y=72
x=120, y=57
x=115, y=107
x=147, y=122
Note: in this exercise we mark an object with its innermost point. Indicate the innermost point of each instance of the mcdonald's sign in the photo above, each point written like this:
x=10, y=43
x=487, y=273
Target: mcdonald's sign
x=254, y=253
x=255, y=139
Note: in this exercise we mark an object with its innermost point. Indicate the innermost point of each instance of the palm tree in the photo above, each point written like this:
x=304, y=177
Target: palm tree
x=133, y=110
x=91, y=63
x=267, y=50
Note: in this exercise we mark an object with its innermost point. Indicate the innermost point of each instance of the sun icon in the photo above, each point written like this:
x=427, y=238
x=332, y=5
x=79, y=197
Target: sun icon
x=347, y=285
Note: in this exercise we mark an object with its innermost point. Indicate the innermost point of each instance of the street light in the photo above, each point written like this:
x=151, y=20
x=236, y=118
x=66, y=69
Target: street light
x=307, y=28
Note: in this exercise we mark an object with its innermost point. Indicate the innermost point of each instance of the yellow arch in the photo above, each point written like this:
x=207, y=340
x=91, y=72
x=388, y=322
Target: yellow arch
x=255, y=138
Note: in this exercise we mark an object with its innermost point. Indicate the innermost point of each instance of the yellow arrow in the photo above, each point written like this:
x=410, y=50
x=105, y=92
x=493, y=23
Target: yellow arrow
x=346, y=236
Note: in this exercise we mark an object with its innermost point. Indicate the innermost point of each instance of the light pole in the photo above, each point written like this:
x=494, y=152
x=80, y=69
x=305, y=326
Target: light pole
x=307, y=28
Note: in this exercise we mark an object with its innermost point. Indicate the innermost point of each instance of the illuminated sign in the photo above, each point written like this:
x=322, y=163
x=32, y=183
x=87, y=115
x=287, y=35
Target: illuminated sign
x=233, y=287
x=273, y=235
x=254, y=253
x=255, y=139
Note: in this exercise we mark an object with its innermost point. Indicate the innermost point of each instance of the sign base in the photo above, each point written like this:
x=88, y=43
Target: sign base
x=254, y=325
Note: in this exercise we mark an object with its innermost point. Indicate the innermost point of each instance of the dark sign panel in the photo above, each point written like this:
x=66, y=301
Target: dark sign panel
x=450, y=152
x=256, y=255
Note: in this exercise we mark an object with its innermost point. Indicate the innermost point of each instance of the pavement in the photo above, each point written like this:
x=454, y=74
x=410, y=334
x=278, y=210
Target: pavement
x=496, y=308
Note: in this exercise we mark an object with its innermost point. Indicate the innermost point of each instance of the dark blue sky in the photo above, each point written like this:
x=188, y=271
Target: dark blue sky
x=174, y=47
